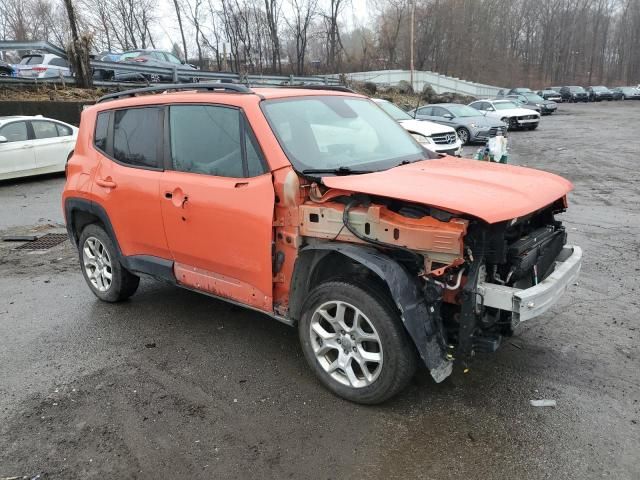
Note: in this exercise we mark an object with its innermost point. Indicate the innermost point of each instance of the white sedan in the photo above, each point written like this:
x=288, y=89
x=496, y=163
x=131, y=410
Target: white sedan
x=509, y=112
x=34, y=145
x=437, y=138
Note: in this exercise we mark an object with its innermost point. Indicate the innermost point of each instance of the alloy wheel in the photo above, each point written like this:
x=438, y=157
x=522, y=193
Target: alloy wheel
x=97, y=264
x=346, y=344
x=463, y=135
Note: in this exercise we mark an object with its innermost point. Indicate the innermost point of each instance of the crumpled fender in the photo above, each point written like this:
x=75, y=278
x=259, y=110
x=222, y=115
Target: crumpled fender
x=419, y=319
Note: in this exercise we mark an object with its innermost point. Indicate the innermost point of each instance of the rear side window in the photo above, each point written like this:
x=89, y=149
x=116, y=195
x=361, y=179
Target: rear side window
x=15, y=132
x=102, y=128
x=44, y=130
x=59, y=62
x=137, y=137
x=212, y=140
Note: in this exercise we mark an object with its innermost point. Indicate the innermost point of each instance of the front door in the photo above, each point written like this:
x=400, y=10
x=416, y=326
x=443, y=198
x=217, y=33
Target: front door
x=217, y=205
x=52, y=143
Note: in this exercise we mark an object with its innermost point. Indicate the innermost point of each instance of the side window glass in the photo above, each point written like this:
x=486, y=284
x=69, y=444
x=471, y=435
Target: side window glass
x=173, y=59
x=15, y=132
x=425, y=111
x=438, y=112
x=100, y=135
x=254, y=160
x=63, y=130
x=136, y=136
x=44, y=130
x=206, y=139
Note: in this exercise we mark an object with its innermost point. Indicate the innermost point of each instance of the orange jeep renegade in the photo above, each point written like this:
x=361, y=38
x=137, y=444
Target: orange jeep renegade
x=315, y=207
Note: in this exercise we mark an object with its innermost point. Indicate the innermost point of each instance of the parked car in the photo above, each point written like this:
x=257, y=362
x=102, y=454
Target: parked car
x=439, y=138
x=599, y=93
x=518, y=91
x=318, y=209
x=34, y=145
x=6, y=70
x=555, y=89
x=627, y=93
x=522, y=102
x=153, y=58
x=105, y=73
x=552, y=95
x=470, y=125
x=43, y=65
x=536, y=102
x=574, y=94
x=508, y=112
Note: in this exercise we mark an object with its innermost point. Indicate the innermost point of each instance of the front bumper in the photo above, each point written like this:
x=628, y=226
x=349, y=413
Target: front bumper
x=454, y=149
x=529, y=303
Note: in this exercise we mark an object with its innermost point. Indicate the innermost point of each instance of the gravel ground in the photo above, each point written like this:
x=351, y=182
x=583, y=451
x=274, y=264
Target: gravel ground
x=172, y=384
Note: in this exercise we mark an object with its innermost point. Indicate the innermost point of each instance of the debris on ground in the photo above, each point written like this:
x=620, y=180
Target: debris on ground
x=542, y=403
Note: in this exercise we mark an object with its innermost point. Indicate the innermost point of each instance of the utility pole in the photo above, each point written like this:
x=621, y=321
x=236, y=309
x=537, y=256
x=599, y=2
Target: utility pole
x=413, y=16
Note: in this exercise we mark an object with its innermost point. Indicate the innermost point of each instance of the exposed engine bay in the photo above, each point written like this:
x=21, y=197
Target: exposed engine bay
x=450, y=254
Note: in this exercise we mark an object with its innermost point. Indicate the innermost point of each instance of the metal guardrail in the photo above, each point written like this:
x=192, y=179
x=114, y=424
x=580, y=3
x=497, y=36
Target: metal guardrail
x=174, y=73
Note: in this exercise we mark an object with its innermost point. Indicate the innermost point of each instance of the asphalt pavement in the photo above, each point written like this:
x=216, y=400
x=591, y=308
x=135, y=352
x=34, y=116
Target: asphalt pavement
x=172, y=384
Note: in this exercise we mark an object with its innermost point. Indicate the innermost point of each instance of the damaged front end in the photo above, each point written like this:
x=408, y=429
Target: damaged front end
x=450, y=275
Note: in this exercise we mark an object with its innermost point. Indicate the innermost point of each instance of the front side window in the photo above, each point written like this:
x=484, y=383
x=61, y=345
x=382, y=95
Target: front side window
x=59, y=62
x=171, y=58
x=44, y=130
x=137, y=136
x=63, y=130
x=332, y=132
x=504, y=105
x=439, y=112
x=15, y=132
x=465, y=110
x=212, y=140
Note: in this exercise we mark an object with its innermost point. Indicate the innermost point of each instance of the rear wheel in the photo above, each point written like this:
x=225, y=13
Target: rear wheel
x=353, y=339
x=101, y=267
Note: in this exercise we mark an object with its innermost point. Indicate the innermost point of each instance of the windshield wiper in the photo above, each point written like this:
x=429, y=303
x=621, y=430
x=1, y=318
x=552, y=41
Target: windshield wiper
x=336, y=171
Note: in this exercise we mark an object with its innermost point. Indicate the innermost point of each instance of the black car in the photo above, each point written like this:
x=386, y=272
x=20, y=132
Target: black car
x=599, y=93
x=6, y=70
x=549, y=94
x=535, y=102
x=626, y=93
x=574, y=94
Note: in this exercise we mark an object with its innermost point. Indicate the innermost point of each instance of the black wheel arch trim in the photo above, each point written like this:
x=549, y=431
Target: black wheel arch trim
x=156, y=267
x=421, y=321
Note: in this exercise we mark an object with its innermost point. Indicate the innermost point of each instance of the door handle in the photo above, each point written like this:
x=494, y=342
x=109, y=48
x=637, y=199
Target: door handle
x=241, y=184
x=106, y=182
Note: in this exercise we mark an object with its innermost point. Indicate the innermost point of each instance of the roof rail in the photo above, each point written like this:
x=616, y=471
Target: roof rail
x=211, y=87
x=335, y=88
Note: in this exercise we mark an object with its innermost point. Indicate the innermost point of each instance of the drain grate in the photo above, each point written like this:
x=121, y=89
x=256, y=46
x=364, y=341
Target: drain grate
x=46, y=241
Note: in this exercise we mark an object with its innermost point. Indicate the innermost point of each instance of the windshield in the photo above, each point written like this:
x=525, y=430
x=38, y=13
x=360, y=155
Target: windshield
x=329, y=132
x=600, y=89
x=576, y=89
x=505, y=105
x=462, y=111
x=533, y=97
x=32, y=60
x=396, y=112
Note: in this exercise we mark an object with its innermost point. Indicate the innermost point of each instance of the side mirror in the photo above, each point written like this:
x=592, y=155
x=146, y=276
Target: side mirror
x=448, y=116
x=3, y=139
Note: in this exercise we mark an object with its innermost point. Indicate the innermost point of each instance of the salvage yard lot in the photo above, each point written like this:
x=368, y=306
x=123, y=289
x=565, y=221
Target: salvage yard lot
x=175, y=384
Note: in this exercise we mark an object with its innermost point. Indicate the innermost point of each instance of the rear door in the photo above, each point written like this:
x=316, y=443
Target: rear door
x=16, y=154
x=50, y=148
x=217, y=204
x=127, y=179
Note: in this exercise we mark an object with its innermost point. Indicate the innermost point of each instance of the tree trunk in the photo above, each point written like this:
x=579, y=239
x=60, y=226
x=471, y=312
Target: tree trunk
x=78, y=50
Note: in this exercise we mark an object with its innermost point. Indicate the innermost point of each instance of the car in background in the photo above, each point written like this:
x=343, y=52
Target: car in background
x=626, y=93
x=470, y=125
x=153, y=58
x=536, y=102
x=42, y=65
x=435, y=137
x=34, y=145
x=574, y=93
x=555, y=89
x=508, y=112
x=599, y=93
x=105, y=73
x=519, y=90
x=548, y=94
x=6, y=70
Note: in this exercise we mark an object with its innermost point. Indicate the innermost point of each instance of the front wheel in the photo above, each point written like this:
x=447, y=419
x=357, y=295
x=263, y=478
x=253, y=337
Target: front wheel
x=101, y=267
x=463, y=135
x=354, y=341
x=513, y=123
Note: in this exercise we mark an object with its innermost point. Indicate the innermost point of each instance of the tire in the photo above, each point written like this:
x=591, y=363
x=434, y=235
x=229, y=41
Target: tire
x=463, y=135
x=533, y=127
x=336, y=359
x=100, y=258
x=513, y=123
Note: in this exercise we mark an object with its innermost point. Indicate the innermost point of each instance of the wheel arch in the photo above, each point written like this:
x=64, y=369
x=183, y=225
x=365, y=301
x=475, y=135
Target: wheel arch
x=318, y=263
x=80, y=212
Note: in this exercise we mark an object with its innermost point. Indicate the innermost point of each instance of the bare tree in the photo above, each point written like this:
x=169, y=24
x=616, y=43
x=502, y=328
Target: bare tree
x=304, y=12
